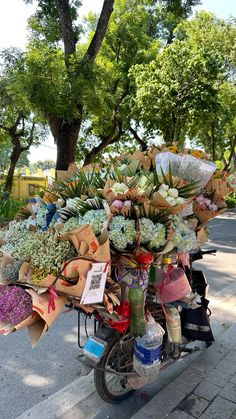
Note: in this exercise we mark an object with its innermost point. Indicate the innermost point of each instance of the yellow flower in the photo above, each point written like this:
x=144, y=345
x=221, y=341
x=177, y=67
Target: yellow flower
x=173, y=149
x=197, y=153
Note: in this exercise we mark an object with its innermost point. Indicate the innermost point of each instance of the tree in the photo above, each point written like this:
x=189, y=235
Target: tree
x=174, y=12
x=43, y=164
x=19, y=126
x=135, y=35
x=59, y=81
x=179, y=91
x=5, y=152
x=130, y=39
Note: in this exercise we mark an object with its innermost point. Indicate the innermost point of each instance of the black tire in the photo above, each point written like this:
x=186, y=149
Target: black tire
x=104, y=382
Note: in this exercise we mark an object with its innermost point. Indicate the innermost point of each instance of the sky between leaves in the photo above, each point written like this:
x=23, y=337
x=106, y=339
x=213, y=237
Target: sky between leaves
x=13, y=32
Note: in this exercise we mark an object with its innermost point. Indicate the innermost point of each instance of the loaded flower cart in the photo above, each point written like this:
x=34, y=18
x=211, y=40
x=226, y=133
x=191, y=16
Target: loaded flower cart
x=116, y=242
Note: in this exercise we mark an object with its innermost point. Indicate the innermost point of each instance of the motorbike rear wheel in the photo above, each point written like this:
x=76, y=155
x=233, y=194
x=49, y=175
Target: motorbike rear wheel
x=111, y=387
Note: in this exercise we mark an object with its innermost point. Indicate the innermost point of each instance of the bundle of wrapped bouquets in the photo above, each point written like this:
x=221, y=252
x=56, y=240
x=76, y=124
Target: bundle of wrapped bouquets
x=123, y=215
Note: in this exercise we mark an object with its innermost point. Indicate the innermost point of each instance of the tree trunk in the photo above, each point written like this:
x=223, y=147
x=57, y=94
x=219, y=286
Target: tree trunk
x=232, y=155
x=213, y=142
x=16, y=152
x=65, y=135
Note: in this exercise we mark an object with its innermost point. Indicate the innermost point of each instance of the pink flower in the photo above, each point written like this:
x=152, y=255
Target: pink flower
x=127, y=204
x=118, y=204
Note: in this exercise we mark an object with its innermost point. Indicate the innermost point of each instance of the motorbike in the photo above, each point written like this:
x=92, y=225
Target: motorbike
x=110, y=353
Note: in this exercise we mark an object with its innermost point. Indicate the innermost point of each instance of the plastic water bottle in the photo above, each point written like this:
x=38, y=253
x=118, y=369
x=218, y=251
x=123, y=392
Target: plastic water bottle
x=147, y=350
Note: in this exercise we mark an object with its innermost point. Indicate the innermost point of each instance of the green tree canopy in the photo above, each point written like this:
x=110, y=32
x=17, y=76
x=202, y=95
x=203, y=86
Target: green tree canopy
x=20, y=127
x=184, y=90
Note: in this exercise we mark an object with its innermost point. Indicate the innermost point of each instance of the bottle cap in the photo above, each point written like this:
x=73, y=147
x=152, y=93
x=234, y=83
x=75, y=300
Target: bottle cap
x=166, y=260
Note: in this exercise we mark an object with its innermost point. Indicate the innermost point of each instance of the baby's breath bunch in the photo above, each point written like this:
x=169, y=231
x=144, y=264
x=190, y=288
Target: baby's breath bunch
x=16, y=231
x=45, y=251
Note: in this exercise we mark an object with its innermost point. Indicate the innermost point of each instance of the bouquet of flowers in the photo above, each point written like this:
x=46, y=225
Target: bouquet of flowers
x=206, y=208
x=15, y=305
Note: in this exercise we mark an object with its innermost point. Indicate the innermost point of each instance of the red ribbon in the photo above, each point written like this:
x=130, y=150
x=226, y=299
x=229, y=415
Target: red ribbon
x=52, y=296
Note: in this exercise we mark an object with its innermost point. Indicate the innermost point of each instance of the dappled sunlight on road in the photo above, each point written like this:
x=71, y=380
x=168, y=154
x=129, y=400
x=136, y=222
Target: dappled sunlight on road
x=71, y=338
x=34, y=380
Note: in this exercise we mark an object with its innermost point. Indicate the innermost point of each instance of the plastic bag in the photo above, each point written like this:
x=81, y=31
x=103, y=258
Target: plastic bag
x=186, y=167
x=172, y=285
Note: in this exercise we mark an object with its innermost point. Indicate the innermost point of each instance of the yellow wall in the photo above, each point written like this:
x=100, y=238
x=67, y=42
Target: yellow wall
x=27, y=186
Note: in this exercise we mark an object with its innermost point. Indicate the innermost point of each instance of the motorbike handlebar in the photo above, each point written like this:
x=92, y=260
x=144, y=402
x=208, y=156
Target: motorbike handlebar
x=199, y=255
x=208, y=252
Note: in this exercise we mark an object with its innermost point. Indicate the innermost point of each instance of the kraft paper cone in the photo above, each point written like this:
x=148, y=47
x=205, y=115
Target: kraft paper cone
x=66, y=174
x=83, y=239
x=220, y=186
x=204, y=215
x=6, y=260
x=2, y=242
x=25, y=276
x=63, y=287
x=76, y=267
x=102, y=253
x=6, y=328
x=33, y=318
x=159, y=202
x=40, y=305
x=201, y=236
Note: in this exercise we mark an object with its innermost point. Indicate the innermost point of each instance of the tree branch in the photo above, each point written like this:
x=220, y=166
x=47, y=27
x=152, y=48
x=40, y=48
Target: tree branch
x=6, y=129
x=31, y=138
x=111, y=138
x=100, y=32
x=138, y=139
x=13, y=128
x=66, y=27
x=231, y=154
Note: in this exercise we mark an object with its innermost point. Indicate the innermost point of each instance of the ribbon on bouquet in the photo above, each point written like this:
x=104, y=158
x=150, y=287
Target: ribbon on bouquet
x=136, y=268
x=52, y=296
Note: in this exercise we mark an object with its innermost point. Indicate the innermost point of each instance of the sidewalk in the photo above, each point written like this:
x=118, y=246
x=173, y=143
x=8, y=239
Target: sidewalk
x=205, y=390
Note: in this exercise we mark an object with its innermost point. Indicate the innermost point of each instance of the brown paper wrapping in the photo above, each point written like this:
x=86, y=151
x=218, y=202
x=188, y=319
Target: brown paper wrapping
x=25, y=276
x=201, y=236
x=6, y=328
x=204, y=215
x=144, y=161
x=76, y=269
x=159, y=202
x=110, y=196
x=33, y=318
x=40, y=305
x=83, y=239
x=6, y=260
x=63, y=287
x=66, y=174
x=2, y=242
x=220, y=186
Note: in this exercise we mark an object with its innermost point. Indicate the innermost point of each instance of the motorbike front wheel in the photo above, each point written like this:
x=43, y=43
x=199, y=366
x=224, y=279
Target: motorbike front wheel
x=111, y=387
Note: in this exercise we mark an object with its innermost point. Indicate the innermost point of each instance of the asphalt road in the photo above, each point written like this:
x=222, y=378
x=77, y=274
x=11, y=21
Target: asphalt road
x=30, y=375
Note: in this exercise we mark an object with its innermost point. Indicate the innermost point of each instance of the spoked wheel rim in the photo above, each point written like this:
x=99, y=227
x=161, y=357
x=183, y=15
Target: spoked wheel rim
x=120, y=361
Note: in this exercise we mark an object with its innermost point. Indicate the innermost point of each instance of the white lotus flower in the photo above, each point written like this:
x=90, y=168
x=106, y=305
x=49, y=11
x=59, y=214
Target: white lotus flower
x=171, y=200
x=173, y=192
x=119, y=188
x=164, y=187
x=180, y=201
x=163, y=193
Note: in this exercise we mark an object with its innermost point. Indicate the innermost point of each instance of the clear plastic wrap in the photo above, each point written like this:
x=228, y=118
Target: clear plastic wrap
x=186, y=167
